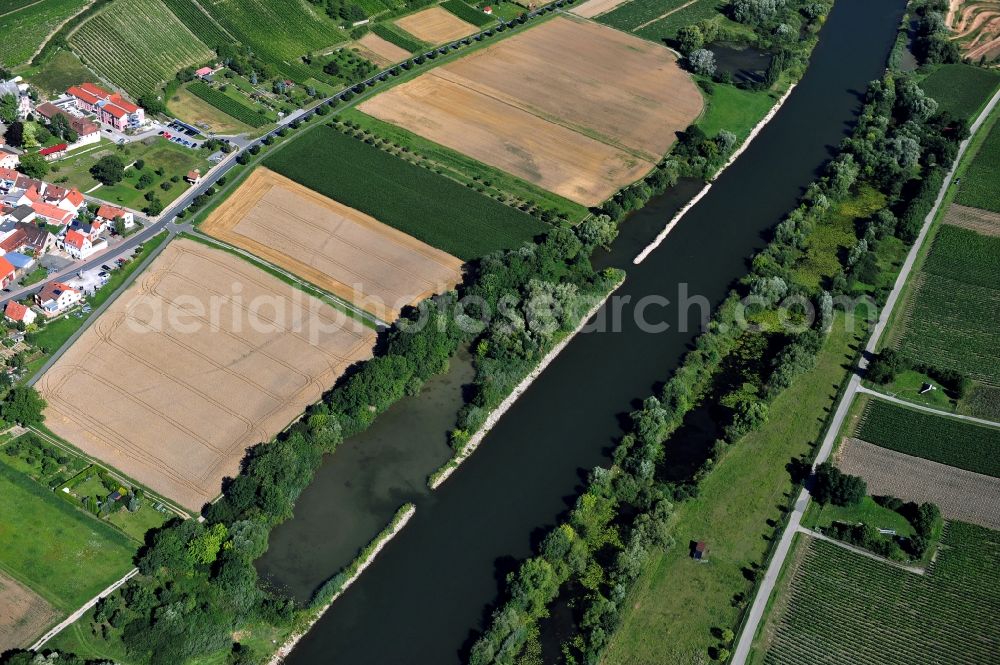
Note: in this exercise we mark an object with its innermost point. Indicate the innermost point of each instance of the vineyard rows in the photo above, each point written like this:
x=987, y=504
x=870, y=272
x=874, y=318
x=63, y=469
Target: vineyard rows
x=951, y=313
x=396, y=36
x=630, y=15
x=667, y=27
x=937, y=438
x=227, y=104
x=468, y=14
x=979, y=184
x=26, y=25
x=198, y=22
x=279, y=31
x=847, y=608
x=137, y=45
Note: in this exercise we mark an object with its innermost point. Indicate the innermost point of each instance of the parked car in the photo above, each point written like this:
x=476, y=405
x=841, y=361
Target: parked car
x=105, y=267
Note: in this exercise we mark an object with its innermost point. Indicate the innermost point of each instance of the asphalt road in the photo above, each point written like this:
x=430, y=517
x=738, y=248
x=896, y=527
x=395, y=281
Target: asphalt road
x=756, y=613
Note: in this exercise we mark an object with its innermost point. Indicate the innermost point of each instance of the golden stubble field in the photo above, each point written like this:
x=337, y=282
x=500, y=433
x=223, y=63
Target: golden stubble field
x=24, y=615
x=436, y=26
x=574, y=107
x=203, y=357
x=333, y=246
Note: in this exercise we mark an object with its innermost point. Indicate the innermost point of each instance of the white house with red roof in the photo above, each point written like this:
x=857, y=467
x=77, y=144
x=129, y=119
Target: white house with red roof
x=110, y=213
x=70, y=199
x=52, y=214
x=7, y=272
x=56, y=297
x=18, y=313
x=8, y=158
x=110, y=107
x=78, y=244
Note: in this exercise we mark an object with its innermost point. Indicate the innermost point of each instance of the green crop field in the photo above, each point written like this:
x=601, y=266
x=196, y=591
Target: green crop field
x=400, y=38
x=26, y=24
x=979, y=184
x=429, y=207
x=467, y=13
x=227, y=104
x=961, y=89
x=952, y=308
x=137, y=45
x=937, y=438
x=278, y=31
x=632, y=14
x=842, y=607
x=200, y=23
x=62, y=553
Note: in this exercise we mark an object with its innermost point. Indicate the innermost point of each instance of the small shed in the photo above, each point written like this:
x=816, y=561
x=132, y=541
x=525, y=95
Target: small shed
x=700, y=551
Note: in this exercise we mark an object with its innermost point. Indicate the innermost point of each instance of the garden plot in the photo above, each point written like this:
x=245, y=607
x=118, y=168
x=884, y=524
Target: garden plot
x=335, y=247
x=24, y=615
x=961, y=495
x=436, y=26
x=202, y=358
x=577, y=108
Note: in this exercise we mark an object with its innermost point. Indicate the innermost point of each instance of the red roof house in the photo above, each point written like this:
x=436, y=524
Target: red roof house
x=19, y=313
x=6, y=273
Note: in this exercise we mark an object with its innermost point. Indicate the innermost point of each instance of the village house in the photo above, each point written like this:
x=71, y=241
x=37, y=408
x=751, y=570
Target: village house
x=52, y=214
x=109, y=107
x=78, y=245
x=109, y=214
x=88, y=132
x=8, y=176
x=15, y=312
x=19, y=213
x=70, y=200
x=9, y=159
x=193, y=177
x=56, y=297
x=26, y=237
x=7, y=273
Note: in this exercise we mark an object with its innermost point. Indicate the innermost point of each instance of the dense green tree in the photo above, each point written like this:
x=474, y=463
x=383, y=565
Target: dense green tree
x=23, y=405
x=109, y=170
x=33, y=165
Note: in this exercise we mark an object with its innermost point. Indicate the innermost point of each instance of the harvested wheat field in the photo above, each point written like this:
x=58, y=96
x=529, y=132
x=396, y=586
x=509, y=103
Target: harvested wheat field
x=592, y=8
x=204, y=356
x=962, y=495
x=379, y=51
x=24, y=615
x=974, y=219
x=575, y=107
x=335, y=247
x=436, y=26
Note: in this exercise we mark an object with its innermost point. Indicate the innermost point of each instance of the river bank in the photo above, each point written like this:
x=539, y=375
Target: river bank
x=704, y=191
x=438, y=477
x=359, y=566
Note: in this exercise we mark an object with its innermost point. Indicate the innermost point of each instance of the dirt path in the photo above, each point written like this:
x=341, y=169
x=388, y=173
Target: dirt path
x=863, y=552
x=58, y=28
x=663, y=16
x=83, y=610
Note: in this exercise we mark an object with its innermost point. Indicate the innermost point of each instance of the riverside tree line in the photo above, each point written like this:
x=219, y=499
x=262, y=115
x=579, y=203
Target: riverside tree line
x=902, y=147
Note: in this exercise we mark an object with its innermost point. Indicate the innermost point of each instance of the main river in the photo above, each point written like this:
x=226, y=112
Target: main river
x=431, y=588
